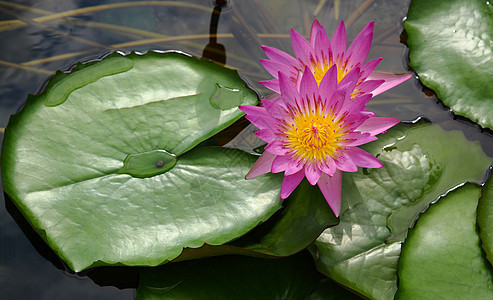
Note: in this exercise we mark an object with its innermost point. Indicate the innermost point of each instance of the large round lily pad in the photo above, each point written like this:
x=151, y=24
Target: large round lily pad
x=421, y=162
x=101, y=164
x=450, y=47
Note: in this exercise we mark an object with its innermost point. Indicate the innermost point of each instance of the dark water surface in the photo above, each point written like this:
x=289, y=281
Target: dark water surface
x=39, y=37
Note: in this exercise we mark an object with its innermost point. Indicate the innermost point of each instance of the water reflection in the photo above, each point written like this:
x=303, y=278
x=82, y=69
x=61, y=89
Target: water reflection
x=40, y=37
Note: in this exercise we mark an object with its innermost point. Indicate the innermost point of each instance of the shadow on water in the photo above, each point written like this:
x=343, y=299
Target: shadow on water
x=39, y=245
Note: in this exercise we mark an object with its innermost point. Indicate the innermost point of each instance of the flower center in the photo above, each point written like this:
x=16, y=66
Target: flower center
x=312, y=136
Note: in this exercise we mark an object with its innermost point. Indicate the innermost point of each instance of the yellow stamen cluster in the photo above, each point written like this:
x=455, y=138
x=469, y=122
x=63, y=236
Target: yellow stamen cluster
x=312, y=136
x=321, y=67
x=319, y=70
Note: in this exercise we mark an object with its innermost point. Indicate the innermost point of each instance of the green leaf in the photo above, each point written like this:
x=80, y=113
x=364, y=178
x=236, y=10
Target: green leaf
x=485, y=219
x=450, y=43
x=442, y=256
x=99, y=163
x=421, y=162
x=231, y=277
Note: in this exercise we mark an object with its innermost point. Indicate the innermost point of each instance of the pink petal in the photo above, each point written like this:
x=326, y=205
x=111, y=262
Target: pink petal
x=367, y=68
x=290, y=182
x=357, y=104
x=314, y=31
x=266, y=135
x=255, y=111
x=280, y=163
x=336, y=102
x=276, y=147
x=279, y=56
x=312, y=173
x=350, y=81
x=356, y=139
x=277, y=108
x=272, y=85
x=297, y=80
x=309, y=86
x=331, y=188
x=321, y=45
x=329, y=166
x=339, y=42
x=358, y=50
x=376, y=125
x=293, y=166
x=262, y=165
x=391, y=80
x=362, y=158
x=274, y=67
x=286, y=164
x=262, y=122
x=344, y=162
x=268, y=102
x=301, y=47
x=288, y=89
x=329, y=82
x=368, y=86
x=259, y=116
x=354, y=120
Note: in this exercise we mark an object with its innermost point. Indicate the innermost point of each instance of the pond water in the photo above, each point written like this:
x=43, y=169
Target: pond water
x=39, y=37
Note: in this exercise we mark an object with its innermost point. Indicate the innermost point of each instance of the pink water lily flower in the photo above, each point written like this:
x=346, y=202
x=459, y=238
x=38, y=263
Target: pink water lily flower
x=313, y=131
x=319, y=54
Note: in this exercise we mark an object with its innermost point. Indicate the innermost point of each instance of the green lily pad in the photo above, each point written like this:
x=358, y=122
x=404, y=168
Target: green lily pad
x=442, y=256
x=421, y=162
x=450, y=47
x=231, y=277
x=100, y=162
x=485, y=219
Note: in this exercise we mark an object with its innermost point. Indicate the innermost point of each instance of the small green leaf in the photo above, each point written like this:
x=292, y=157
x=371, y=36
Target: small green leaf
x=148, y=164
x=442, y=256
x=450, y=47
x=421, y=162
